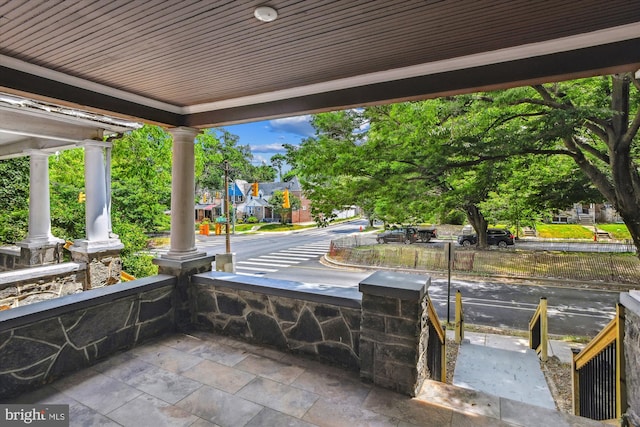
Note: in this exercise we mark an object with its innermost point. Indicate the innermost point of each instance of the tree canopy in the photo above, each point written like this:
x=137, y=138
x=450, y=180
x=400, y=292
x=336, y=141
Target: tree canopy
x=504, y=155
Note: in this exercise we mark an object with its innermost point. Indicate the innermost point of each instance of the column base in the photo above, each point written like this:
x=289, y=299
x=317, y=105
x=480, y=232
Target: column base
x=183, y=255
x=93, y=246
x=102, y=259
x=40, y=251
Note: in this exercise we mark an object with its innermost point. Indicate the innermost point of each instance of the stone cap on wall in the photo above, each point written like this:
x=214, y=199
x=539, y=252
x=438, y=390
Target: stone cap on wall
x=54, y=307
x=393, y=284
x=8, y=277
x=320, y=293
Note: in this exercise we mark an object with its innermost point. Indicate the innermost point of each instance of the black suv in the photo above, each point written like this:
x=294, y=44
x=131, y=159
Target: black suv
x=405, y=235
x=495, y=236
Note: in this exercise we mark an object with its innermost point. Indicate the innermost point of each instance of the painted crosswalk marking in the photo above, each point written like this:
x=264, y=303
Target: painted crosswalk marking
x=282, y=259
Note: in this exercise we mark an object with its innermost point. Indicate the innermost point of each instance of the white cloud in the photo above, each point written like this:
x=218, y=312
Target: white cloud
x=268, y=148
x=299, y=125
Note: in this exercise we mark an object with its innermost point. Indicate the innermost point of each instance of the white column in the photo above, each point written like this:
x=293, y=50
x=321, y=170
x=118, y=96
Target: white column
x=97, y=219
x=183, y=239
x=96, y=209
x=39, y=202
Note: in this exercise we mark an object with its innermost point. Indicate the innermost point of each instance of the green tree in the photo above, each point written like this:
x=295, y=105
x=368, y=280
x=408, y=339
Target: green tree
x=277, y=200
x=278, y=161
x=141, y=179
x=66, y=178
x=14, y=199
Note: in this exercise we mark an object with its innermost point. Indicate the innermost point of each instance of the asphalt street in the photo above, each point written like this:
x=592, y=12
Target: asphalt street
x=496, y=303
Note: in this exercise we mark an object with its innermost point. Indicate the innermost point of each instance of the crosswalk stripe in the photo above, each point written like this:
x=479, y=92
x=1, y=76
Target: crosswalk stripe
x=277, y=258
x=302, y=252
x=269, y=270
x=292, y=257
x=251, y=261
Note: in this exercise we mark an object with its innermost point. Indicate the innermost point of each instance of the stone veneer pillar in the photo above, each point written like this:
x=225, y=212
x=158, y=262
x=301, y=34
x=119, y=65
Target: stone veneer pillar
x=393, y=335
x=100, y=250
x=40, y=247
x=631, y=303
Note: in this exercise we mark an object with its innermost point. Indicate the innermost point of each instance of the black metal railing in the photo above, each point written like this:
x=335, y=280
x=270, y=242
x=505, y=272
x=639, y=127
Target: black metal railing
x=598, y=374
x=459, y=326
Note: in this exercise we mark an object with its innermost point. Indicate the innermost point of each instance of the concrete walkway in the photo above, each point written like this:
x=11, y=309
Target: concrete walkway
x=505, y=366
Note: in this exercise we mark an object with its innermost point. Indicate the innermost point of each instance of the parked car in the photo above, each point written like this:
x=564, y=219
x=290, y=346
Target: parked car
x=405, y=235
x=495, y=236
x=427, y=233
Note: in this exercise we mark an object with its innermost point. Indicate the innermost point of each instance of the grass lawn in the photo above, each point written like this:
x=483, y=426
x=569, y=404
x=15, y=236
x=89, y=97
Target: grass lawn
x=617, y=231
x=564, y=231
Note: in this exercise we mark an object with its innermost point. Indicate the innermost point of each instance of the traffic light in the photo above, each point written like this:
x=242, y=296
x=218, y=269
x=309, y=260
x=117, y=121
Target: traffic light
x=254, y=189
x=204, y=198
x=81, y=197
x=285, y=203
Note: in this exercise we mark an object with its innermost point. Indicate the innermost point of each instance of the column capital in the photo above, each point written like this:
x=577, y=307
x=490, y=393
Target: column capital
x=183, y=133
x=95, y=143
x=36, y=152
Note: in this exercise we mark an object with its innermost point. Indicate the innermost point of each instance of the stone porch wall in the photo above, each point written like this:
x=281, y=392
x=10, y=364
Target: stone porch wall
x=323, y=322
x=631, y=303
x=30, y=285
x=44, y=341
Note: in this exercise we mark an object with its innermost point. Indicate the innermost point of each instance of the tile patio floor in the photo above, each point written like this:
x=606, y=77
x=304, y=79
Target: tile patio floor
x=210, y=380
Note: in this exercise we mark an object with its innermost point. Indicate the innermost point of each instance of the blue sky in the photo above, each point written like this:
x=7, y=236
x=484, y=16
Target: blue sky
x=266, y=137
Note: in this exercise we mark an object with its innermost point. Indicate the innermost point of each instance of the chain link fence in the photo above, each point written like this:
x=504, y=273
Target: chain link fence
x=581, y=266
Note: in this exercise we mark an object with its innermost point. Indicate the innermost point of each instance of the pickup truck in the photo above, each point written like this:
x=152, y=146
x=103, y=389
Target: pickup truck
x=427, y=233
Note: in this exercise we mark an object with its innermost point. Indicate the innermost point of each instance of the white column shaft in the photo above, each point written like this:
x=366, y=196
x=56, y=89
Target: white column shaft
x=39, y=201
x=97, y=217
x=183, y=241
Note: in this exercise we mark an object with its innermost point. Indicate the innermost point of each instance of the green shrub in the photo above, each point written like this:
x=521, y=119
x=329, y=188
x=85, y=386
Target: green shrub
x=252, y=220
x=139, y=265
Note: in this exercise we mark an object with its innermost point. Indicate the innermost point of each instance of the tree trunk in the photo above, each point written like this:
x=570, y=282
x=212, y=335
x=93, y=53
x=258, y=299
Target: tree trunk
x=479, y=224
x=624, y=172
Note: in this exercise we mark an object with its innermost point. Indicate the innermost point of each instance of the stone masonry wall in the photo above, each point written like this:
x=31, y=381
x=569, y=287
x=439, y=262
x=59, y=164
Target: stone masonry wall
x=325, y=331
x=394, y=337
x=23, y=292
x=632, y=361
x=42, y=342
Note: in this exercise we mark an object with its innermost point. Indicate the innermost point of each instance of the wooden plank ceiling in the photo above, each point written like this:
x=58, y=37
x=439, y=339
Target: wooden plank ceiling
x=202, y=63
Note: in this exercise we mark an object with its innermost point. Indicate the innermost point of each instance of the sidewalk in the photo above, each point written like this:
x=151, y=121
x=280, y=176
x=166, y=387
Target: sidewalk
x=504, y=366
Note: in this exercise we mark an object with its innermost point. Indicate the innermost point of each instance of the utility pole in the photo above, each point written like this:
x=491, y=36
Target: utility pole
x=226, y=205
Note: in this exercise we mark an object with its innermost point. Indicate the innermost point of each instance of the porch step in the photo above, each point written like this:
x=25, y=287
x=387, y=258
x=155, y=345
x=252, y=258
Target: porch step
x=489, y=410
x=511, y=374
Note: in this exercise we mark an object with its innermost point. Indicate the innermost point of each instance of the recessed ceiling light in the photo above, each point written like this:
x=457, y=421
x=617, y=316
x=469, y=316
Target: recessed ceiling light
x=265, y=13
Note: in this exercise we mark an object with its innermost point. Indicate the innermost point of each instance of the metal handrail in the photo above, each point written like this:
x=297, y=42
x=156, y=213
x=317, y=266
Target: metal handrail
x=459, y=325
x=436, y=326
x=595, y=368
x=538, y=330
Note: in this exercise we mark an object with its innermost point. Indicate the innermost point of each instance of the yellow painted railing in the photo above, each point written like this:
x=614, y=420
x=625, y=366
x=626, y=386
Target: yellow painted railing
x=459, y=326
x=125, y=277
x=538, y=330
x=437, y=357
x=599, y=390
